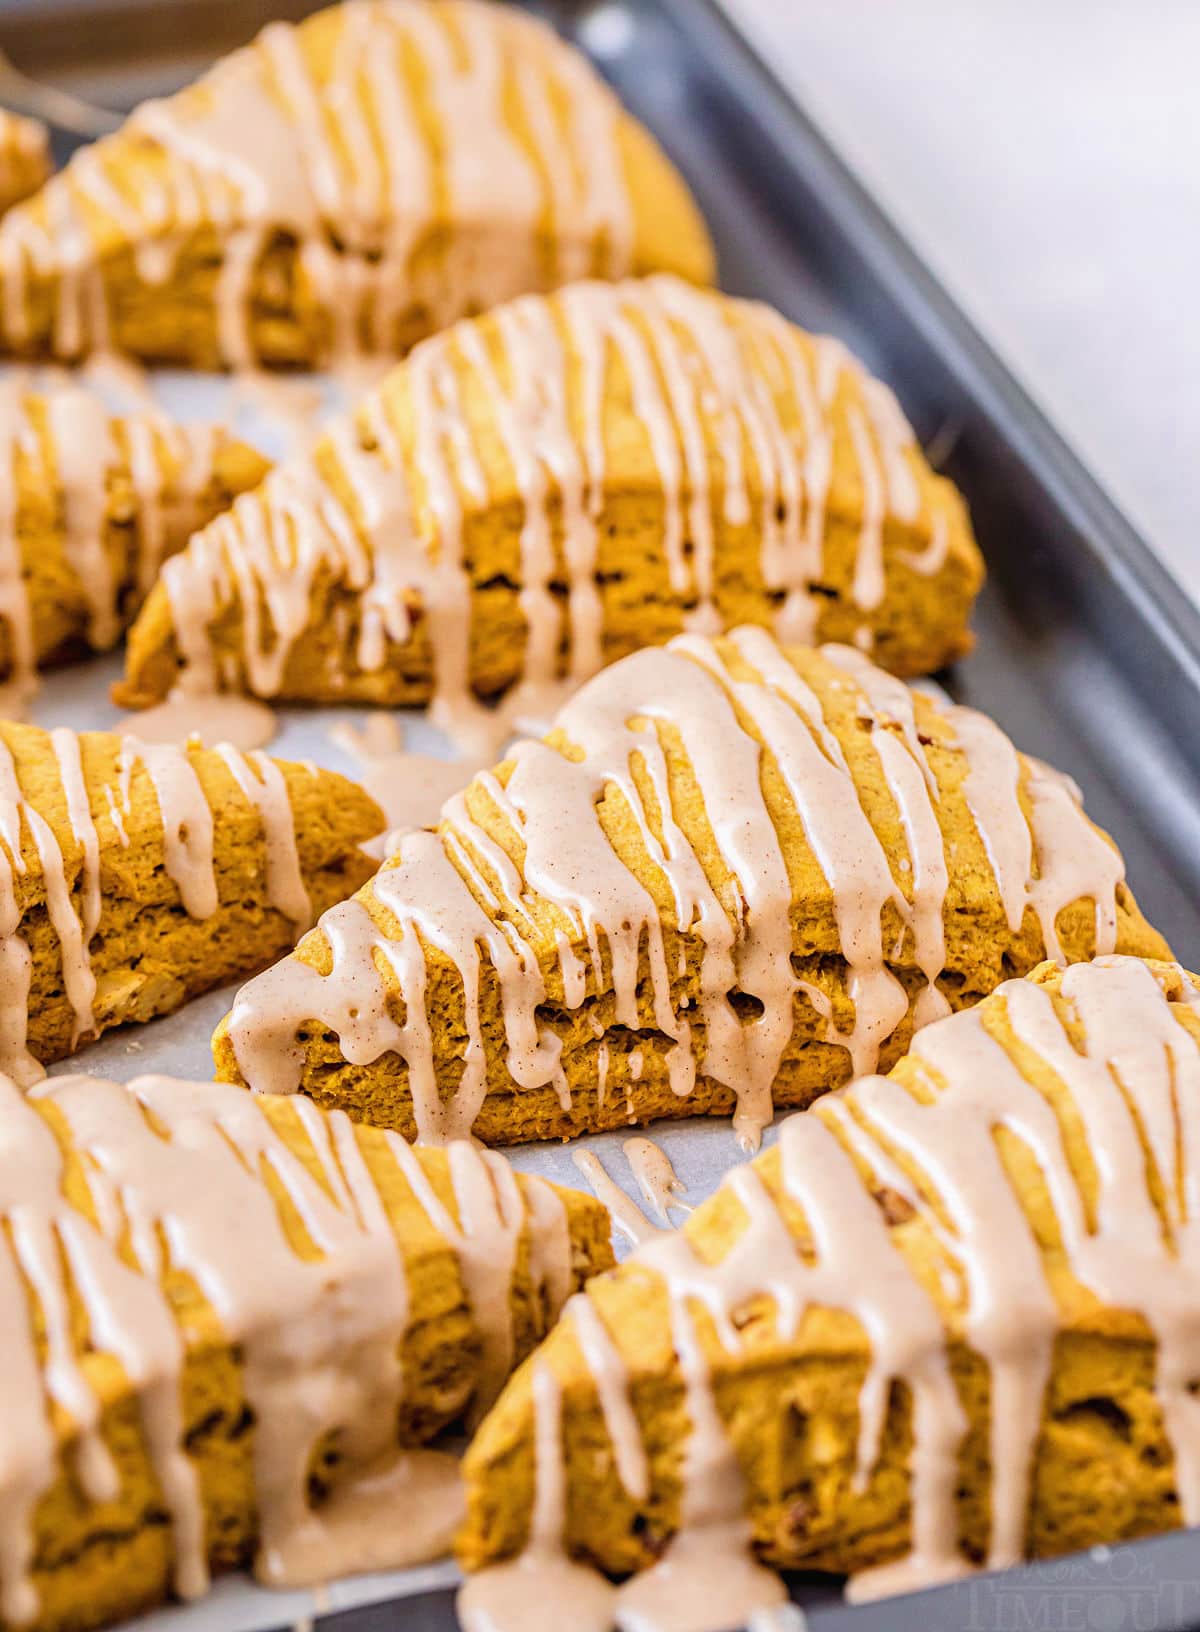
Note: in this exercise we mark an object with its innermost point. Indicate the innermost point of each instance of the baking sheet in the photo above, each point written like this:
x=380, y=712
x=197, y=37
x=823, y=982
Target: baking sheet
x=1087, y=656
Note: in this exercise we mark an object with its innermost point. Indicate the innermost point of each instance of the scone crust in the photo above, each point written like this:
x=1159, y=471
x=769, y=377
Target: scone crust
x=176, y=319
x=1103, y=1470
x=929, y=567
x=148, y=954
x=617, y=1075
x=95, y=1563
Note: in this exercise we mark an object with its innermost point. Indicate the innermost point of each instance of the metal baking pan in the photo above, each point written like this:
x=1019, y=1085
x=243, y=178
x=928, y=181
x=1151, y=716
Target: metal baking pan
x=1088, y=652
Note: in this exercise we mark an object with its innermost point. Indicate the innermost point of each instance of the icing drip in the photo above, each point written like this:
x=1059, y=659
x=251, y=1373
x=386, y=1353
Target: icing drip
x=491, y=1218
x=1073, y=859
x=187, y=819
x=262, y=783
x=459, y=892
x=70, y=872
x=72, y=929
x=80, y=435
x=361, y=171
x=175, y=1180
x=714, y=386
x=656, y=1178
x=428, y=897
x=531, y=1593
x=71, y=449
x=239, y=721
x=410, y=788
x=914, y=788
x=75, y=945
x=1131, y=1074
x=627, y=1216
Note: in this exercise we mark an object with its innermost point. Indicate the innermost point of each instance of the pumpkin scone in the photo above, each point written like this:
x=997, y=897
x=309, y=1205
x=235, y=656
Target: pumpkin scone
x=135, y=875
x=733, y=876
x=542, y=490
x=227, y=1329
x=343, y=187
x=90, y=507
x=949, y=1320
x=24, y=157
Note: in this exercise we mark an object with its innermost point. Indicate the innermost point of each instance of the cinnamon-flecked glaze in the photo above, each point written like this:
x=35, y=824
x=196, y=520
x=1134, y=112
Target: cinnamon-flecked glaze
x=221, y=1319
x=135, y=875
x=948, y=1321
x=537, y=492
x=344, y=187
x=734, y=875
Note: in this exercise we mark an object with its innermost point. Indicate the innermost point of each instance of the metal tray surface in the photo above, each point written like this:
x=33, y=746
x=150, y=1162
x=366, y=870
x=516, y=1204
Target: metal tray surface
x=1087, y=652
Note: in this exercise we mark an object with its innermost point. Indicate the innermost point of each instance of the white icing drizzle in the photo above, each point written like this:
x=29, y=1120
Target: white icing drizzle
x=410, y=788
x=656, y=1177
x=70, y=873
x=73, y=929
x=914, y=788
x=187, y=819
x=1069, y=851
x=175, y=1174
x=263, y=784
x=1133, y=1079
x=78, y=979
x=74, y=458
x=81, y=437
x=530, y=1593
x=627, y=1216
x=463, y=894
x=388, y=530
x=362, y=176
x=242, y=722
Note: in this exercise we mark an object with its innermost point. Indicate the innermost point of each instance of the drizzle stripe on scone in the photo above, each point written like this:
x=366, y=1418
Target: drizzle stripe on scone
x=949, y=1320
x=222, y=1317
x=343, y=187
x=136, y=875
x=750, y=870
x=91, y=505
x=549, y=487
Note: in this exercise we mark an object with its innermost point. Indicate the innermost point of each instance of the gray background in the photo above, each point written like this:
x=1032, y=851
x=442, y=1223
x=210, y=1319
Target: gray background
x=1044, y=158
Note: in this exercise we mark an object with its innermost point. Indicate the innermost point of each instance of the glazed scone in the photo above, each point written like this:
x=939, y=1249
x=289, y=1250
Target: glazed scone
x=556, y=484
x=946, y=1322
x=342, y=187
x=326, y=1298
x=91, y=505
x=133, y=876
x=733, y=876
x=24, y=157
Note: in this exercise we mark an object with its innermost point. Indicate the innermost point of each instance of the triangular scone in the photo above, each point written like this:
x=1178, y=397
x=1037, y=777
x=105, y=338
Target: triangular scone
x=345, y=186
x=950, y=1319
x=558, y=483
x=218, y=1312
x=24, y=157
x=133, y=876
x=90, y=507
x=734, y=875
